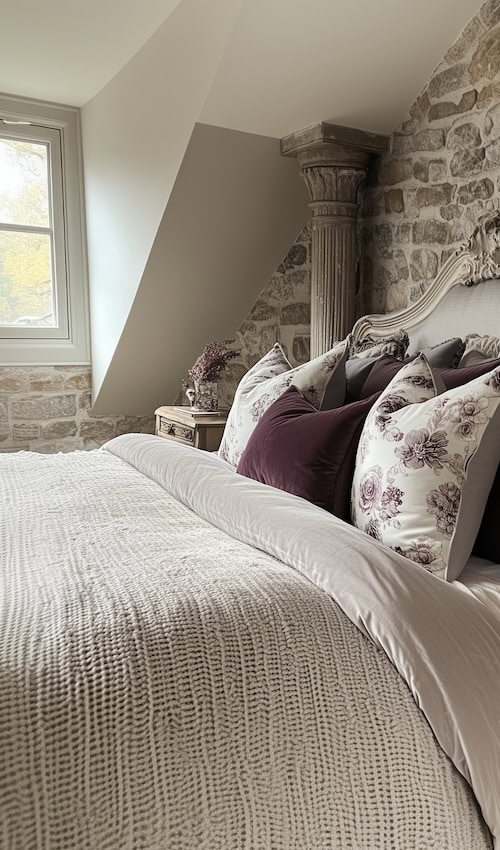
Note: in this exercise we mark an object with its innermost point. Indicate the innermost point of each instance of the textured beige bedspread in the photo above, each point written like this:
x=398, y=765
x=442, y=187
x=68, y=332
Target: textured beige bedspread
x=166, y=685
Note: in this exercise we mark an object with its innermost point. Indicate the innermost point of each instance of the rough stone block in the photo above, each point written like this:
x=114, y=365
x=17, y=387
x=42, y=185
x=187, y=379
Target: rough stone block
x=429, y=231
x=475, y=190
x=262, y=312
x=438, y=170
x=44, y=407
x=423, y=264
x=403, y=232
x=464, y=136
x=449, y=80
x=85, y=400
x=451, y=211
x=466, y=41
x=490, y=13
x=394, y=201
x=373, y=203
x=489, y=92
x=492, y=121
x=97, y=429
x=70, y=444
x=426, y=140
x=14, y=380
x=279, y=289
x=395, y=298
x=79, y=381
x=297, y=254
x=446, y=108
x=24, y=432
x=485, y=63
x=301, y=348
x=417, y=291
x=401, y=265
x=4, y=413
x=59, y=430
x=135, y=425
x=493, y=152
x=434, y=196
x=396, y=171
x=384, y=238
x=467, y=162
x=421, y=170
x=296, y=314
x=46, y=380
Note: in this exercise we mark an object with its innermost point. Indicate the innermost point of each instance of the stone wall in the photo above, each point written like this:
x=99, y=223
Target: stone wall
x=48, y=409
x=282, y=313
x=423, y=198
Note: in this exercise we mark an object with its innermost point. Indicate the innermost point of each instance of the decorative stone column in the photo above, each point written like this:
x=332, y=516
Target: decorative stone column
x=333, y=162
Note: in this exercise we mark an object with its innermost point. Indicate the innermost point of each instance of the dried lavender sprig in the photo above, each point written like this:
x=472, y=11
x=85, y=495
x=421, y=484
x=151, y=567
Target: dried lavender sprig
x=214, y=357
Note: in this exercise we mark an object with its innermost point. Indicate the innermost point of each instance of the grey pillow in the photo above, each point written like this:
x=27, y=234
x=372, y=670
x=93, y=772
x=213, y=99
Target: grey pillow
x=445, y=355
x=356, y=373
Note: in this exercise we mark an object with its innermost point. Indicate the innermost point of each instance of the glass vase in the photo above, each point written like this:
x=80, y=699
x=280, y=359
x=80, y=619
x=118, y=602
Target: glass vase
x=205, y=395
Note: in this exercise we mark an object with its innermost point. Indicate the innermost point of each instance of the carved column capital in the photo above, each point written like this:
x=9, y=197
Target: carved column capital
x=333, y=162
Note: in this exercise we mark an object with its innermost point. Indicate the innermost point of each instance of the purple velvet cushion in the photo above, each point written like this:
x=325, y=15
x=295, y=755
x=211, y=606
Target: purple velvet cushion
x=387, y=367
x=305, y=451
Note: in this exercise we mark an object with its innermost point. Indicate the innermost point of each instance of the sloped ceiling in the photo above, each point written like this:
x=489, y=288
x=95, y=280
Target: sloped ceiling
x=145, y=74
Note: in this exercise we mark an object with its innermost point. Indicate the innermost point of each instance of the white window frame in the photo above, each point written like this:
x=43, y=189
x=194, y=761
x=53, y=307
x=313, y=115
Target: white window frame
x=69, y=342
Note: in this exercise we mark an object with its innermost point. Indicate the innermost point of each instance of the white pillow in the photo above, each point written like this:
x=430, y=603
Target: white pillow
x=322, y=380
x=424, y=468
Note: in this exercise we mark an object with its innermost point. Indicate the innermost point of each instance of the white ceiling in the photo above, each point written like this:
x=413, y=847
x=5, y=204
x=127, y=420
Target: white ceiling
x=292, y=63
x=67, y=50
x=289, y=63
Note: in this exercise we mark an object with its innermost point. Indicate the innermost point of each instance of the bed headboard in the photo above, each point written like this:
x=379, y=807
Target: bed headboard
x=464, y=298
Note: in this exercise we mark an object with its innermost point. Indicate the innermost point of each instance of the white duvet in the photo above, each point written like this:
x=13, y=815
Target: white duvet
x=168, y=681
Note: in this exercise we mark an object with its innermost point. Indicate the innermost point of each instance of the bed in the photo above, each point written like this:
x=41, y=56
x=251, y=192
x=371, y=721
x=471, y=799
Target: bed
x=192, y=659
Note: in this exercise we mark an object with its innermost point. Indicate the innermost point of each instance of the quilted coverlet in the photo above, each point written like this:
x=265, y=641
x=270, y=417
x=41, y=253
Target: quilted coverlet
x=174, y=676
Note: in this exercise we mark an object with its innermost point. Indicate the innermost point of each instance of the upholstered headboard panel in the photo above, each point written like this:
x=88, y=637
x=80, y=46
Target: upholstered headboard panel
x=463, y=299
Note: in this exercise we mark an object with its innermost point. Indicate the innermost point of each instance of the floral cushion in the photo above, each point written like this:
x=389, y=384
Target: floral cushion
x=322, y=381
x=425, y=465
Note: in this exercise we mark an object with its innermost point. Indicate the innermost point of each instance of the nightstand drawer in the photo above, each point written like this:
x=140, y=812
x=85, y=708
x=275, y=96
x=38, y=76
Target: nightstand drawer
x=176, y=431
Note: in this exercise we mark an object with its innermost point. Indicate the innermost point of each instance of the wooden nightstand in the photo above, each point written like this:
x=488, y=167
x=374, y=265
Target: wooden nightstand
x=190, y=427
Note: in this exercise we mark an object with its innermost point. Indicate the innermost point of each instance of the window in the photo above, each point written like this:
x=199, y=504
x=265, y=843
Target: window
x=43, y=292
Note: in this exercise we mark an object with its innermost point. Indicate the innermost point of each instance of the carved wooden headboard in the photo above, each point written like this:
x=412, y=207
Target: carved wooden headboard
x=454, y=304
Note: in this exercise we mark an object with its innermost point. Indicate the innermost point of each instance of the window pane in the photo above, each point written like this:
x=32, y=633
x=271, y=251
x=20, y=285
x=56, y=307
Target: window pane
x=24, y=186
x=26, y=286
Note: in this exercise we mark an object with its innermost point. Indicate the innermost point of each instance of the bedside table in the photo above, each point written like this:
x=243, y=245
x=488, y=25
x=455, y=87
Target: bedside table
x=190, y=427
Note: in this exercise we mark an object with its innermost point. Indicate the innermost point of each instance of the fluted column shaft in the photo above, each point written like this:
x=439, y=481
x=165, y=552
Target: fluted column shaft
x=333, y=162
x=333, y=190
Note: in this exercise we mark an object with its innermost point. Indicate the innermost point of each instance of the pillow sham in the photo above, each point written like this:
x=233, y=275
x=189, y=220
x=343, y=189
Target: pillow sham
x=385, y=369
x=396, y=345
x=310, y=453
x=424, y=468
x=479, y=348
x=322, y=380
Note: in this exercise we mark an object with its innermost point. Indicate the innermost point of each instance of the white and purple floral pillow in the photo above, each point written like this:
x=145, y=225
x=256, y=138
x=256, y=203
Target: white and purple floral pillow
x=425, y=465
x=268, y=379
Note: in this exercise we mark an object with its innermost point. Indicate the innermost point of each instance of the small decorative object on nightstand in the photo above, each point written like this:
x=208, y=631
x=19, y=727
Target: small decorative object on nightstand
x=204, y=373
x=197, y=428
